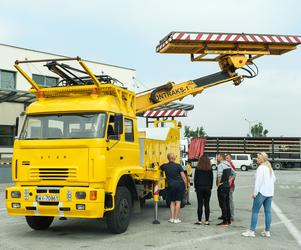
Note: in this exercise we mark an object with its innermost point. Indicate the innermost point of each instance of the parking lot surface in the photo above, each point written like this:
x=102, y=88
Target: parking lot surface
x=142, y=234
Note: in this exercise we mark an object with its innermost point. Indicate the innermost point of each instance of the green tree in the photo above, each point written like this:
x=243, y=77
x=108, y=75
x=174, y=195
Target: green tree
x=257, y=130
x=199, y=132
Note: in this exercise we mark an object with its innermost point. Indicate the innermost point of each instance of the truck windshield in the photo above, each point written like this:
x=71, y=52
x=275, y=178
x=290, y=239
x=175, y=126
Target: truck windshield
x=66, y=126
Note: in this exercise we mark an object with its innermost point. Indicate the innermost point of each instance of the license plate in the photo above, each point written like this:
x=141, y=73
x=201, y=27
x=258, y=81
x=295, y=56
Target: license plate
x=47, y=198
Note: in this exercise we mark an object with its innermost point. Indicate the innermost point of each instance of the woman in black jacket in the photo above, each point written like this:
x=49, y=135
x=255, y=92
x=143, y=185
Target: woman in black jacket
x=203, y=181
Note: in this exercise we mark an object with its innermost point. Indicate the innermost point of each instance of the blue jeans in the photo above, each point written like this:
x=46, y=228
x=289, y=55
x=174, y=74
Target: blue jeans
x=257, y=203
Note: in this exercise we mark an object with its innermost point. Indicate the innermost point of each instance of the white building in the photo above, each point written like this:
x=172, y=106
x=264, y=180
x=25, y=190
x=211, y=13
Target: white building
x=13, y=84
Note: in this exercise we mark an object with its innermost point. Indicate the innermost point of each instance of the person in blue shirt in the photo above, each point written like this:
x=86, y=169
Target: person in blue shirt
x=177, y=183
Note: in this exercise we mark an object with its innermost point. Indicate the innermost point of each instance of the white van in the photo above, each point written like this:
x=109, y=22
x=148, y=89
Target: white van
x=240, y=161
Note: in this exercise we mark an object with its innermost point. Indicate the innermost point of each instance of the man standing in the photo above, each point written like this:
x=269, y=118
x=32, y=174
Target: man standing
x=177, y=183
x=225, y=175
x=232, y=187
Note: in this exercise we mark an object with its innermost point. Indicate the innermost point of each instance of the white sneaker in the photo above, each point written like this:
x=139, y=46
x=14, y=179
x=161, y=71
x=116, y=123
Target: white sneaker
x=248, y=233
x=171, y=220
x=176, y=221
x=266, y=234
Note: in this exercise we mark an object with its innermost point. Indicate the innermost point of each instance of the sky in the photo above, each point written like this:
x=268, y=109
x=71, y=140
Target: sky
x=126, y=33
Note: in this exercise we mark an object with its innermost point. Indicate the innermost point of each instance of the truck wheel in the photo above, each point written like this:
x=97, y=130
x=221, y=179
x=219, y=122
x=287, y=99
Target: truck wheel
x=244, y=168
x=39, y=222
x=118, y=219
x=213, y=167
x=254, y=166
x=277, y=165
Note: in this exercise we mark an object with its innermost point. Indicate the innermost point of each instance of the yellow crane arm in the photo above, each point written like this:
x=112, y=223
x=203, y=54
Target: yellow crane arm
x=171, y=92
x=231, y=50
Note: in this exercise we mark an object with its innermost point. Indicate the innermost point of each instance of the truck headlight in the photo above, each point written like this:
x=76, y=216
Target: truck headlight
x=26, y=194
x=80, y=195
x=15, y=194
x=69, y=195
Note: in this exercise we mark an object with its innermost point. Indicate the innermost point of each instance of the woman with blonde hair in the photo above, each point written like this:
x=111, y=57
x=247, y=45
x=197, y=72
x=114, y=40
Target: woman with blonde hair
x=263, y=194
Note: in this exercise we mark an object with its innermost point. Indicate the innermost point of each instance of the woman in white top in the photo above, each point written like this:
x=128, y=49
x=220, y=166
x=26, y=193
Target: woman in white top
x=263, y=194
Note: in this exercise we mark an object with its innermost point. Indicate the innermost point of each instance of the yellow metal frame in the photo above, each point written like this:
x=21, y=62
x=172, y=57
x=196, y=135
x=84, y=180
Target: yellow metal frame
x=124, y=97
x=144, y=103
x=38, y=88
x=199, y=50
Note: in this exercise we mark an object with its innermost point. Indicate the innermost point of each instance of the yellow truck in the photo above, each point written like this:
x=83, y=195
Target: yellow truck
x=80, y=153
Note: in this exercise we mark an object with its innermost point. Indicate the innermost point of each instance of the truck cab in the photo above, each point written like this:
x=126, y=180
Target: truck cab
x=72, y=157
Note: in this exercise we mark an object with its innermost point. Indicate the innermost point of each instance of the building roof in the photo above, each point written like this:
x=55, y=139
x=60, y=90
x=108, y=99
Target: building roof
x=16, y=96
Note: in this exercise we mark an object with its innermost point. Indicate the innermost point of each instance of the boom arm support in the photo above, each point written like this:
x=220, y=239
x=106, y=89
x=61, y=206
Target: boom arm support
x=171, y=92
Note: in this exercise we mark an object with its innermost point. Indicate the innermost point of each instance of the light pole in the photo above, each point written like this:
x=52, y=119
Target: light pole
x=250, y=122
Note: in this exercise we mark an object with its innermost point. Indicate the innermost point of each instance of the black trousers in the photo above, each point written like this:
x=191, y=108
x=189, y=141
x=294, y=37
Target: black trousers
x=223, y=199
x=203, y=196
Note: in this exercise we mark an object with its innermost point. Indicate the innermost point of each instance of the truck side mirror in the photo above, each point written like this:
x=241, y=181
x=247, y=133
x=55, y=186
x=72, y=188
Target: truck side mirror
x=118, y=124
x=17, y=127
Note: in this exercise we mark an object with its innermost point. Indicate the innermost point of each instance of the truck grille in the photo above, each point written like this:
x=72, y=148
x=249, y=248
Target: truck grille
x=53, y=173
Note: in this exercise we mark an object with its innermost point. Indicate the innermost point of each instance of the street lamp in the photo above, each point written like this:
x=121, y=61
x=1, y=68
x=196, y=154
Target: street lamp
x=250, y=122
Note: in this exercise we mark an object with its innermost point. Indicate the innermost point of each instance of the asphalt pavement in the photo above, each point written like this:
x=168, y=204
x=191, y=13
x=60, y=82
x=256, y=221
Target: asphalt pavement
x=142, y=234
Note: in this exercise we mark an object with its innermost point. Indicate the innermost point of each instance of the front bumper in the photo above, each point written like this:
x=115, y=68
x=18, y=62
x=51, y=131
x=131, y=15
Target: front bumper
x=65, y=206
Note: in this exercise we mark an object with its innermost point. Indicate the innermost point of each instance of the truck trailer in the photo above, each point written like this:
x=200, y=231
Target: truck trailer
x=283, y=152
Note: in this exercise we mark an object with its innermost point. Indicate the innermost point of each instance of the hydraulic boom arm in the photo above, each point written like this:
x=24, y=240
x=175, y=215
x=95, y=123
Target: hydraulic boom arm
x=231, y=51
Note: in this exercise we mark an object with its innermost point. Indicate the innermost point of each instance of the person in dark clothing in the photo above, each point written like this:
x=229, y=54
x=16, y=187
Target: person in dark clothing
x=203, y=181
x=232, y=186
x=177, y=183
x=225, y=175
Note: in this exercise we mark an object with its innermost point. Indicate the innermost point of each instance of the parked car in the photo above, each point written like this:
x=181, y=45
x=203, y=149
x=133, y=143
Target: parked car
x=213, y=162
x=240, y=161
x=243, y=162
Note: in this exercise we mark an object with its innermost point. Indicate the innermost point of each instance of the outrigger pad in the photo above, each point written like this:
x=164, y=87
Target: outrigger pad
x=227, y=43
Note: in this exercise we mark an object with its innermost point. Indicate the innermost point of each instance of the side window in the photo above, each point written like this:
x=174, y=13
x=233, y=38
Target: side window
x=110, y=131
x=6, y=136
x=242, y=157
x=45, y=81
x=129, y=130
x=7, y=79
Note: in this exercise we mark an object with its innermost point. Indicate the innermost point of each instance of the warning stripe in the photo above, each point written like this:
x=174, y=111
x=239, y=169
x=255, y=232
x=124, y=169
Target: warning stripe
x=165, y=113
x=156, y=189
x=226, y=37
x=257, y=38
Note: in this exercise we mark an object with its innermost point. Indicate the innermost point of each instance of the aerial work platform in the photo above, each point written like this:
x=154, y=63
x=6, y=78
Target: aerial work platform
x=201, y=44
x=234, y=53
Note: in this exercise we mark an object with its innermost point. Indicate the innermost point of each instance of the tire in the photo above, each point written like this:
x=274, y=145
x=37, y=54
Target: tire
x=118, y=219
x=244, y=168
x=254, y=166
x=39, y=222
x=277, y=165
x=213, y=167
